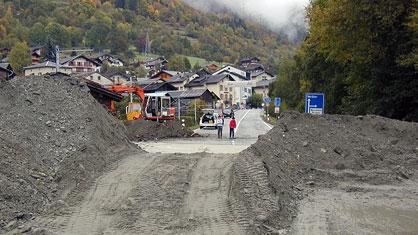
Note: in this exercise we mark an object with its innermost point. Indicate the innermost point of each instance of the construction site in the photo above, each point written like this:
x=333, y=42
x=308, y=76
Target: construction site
x=68, y=166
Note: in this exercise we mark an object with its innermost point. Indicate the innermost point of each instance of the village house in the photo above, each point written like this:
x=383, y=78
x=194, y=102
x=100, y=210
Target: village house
x=262, y=87
x=181, y=79
x=6, y=71
x=241, y=93
x=118, y=78
x=96, y=77
x=211, y=67
x=165, y=75
x=157, y=64
x=263, y=75
x=245, y=62
x=215, y=84
x=36, y=53
x=253, y=68
x=111, y=60
x=81, y=64
x=184, y=98
x=46, y=67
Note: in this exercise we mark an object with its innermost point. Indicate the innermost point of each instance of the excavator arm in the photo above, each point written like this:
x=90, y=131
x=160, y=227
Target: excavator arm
x=134, y=110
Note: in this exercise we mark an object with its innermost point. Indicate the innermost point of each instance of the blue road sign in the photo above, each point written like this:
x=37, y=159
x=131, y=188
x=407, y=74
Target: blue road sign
x=267, y=100
x=277, y=101
x=315, y=103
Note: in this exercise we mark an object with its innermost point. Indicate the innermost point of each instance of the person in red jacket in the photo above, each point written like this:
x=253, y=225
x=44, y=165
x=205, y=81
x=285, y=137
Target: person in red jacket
x=232, y=126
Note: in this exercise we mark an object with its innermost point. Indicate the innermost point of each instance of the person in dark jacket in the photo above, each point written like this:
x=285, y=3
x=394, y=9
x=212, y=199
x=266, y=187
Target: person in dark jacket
x=232, y=126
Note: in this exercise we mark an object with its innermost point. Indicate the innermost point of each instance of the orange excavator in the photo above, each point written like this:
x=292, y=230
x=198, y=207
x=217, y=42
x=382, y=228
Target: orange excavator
x=156, y=106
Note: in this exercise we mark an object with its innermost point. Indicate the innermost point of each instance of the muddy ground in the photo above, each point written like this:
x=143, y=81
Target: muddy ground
x=295, y=178
x=54, y=138
x=143, y=130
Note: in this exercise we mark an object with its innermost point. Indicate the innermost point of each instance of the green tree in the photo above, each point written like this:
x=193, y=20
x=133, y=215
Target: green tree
x=37, y=34
x=177, y=63
x=256, y=100
x=187, y=64
x=196, y=67
x=19, y=56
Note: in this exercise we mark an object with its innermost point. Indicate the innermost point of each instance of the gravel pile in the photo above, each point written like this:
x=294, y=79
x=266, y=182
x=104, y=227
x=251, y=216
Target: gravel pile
x=304, y=152
x=54, y=138
x=143, y=130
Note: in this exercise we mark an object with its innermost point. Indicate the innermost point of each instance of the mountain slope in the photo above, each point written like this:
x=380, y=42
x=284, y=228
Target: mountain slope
x=122, y=25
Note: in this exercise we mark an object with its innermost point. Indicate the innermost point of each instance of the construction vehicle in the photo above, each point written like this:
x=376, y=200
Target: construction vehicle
x=155, y=106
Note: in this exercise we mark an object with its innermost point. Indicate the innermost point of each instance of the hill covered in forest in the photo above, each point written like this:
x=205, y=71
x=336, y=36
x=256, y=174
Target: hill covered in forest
x=125, y=26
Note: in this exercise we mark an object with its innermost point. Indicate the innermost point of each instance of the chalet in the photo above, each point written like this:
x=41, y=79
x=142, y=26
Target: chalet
x=157, y=64
x=237, y=74
x=110, y=60
x=46, y=67
x=211, y=67
x=165, y=75
x=96, y=77
x=81, y=64
x=215, y=84
x=262, y=75
x=118, y=78
x=262, y=87
x=6, y=71
x=36, y=53
x=158, y=86
x=186, y=97
x=248, y=61
x=241, y=92
x=181, y=79
x=253, y=68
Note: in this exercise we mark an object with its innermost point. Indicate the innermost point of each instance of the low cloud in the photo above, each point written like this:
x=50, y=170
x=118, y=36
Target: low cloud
x=286, y=16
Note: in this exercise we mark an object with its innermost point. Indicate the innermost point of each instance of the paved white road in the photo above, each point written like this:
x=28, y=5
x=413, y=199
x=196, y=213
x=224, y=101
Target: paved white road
x=249, y=126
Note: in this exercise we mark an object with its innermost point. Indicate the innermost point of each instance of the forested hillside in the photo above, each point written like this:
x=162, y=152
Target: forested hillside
x=122, y=26
x=362, y=54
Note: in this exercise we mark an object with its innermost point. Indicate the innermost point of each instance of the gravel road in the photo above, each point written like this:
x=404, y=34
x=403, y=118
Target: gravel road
x=163, y=193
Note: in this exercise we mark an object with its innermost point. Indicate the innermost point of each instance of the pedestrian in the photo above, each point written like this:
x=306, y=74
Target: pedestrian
x=223, y=119
x=232, y=126
x=220, y=126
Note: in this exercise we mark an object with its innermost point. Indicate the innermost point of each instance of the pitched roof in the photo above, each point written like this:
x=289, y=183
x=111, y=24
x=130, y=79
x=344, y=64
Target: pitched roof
x=180, y=77
x=249, y=59
x=265, y=83
x=171, y=73
x=157, y=85
x=110, y=74
x=46, y=64
x=209, y=79
x=97, y=57
x=188, y=94
x=68, y=59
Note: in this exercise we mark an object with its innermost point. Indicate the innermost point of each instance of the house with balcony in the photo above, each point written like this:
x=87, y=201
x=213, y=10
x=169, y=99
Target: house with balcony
x=46, y=67
x=81, y=64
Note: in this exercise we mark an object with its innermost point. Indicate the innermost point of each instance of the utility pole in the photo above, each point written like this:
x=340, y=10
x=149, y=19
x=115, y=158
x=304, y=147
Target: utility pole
x=57, y=58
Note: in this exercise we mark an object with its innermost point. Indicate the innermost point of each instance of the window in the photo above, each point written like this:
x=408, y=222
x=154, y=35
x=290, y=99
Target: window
x=230, y=89
x=91, y=77
x=99, y=78
x=221, y=87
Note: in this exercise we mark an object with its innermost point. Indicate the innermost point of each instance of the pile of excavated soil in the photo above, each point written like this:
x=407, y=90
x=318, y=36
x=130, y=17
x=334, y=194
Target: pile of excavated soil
x=143, y=130
x=54, y=139
x=304, y=152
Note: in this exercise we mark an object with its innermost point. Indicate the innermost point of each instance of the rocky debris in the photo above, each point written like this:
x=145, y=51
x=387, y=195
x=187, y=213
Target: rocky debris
x=143, y=130
x=304, y=152
x=54, y=138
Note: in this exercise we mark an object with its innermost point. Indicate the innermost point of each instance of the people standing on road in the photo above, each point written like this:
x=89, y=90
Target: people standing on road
x=220, y=126
x=232, y=126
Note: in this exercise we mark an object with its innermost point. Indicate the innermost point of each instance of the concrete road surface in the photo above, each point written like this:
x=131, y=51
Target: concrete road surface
x=249, y=126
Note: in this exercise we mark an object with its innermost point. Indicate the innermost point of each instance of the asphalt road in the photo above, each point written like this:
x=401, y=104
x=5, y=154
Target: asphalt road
x=249, y=126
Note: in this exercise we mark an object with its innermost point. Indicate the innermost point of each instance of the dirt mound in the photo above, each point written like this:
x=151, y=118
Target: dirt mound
x=304, y=152
x=54, y=138
x=142, y=130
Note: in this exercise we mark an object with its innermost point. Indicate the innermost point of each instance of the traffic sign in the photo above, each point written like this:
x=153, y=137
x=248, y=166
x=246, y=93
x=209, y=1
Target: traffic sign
x=277, y=101
x=315, y=103
x=267, y=100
